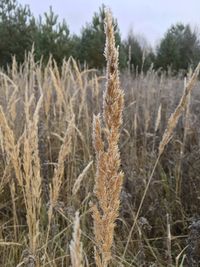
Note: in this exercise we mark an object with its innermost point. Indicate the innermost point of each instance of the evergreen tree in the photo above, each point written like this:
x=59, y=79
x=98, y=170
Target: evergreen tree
x=180, y=48
x=91, y=47
x=17, y=26
x=52, y=38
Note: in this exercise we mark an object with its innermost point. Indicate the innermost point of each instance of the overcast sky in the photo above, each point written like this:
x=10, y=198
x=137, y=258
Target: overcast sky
x=150, y=18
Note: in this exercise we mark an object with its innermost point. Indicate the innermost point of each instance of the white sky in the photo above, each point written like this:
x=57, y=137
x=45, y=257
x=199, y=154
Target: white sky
x=150, y=18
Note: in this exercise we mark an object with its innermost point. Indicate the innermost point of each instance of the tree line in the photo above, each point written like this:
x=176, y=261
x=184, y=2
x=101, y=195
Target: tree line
x=20, y=31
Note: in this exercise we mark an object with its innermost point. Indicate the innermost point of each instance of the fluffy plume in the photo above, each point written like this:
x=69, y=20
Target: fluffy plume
x=108, y=180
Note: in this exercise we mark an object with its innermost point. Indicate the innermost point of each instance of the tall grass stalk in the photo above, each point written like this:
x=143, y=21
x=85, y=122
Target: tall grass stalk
x=76, y=250
x=171, y=124
x=108, y=180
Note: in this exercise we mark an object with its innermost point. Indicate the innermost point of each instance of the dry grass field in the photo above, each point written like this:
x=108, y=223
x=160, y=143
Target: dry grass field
x=83, y=190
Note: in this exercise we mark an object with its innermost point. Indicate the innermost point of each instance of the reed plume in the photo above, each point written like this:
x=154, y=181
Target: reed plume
x=108, y=179
x=76, y=245
x=57, y=180
x=31, y=174
x=171, y=124
x=59, y=169
x=173, y=120
x=26, y=164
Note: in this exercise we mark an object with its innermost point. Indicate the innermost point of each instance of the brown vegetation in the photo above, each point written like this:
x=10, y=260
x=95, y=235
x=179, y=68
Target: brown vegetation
x=47, y=170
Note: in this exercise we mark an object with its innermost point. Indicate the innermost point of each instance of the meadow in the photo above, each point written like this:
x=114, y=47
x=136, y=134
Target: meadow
x=118, y=189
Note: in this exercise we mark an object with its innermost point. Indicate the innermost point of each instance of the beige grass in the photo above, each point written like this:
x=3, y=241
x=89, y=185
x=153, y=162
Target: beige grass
x=46, y=155
x=26, y=164
x=76, y=250
x=171, y=124
x=31, y=174
x=108, y=180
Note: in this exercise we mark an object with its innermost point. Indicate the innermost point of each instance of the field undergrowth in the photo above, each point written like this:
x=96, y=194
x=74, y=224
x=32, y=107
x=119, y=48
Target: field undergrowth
x=48, y=167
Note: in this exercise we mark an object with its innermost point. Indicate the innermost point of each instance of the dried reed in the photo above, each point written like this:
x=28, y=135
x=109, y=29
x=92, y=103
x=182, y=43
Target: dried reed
x=171, y=124
x=55, y=186
x=26, y=165
x=31, y=174
x=108, y=180
x=76, y=245
x=79, y=180
x=59, y=169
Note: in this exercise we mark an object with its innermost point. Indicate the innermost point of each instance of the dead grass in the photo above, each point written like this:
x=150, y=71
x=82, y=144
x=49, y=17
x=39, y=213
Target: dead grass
x=46, y=152
x=108, y=180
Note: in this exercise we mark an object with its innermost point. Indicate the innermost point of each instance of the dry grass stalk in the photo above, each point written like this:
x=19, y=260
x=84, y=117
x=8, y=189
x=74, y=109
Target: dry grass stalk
x=15, y=219
x=76, y=251
x=79, y=180
x=5, y=178
x=157, y=123
x=58, y=88
x=27, y=167
x=57, y=179
x=108, y=180
x=31, y=175
x=158, y=119
x=169, y=241
x=59, y=169
x=182, y=148
x=10, y=146
x=172, y=122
